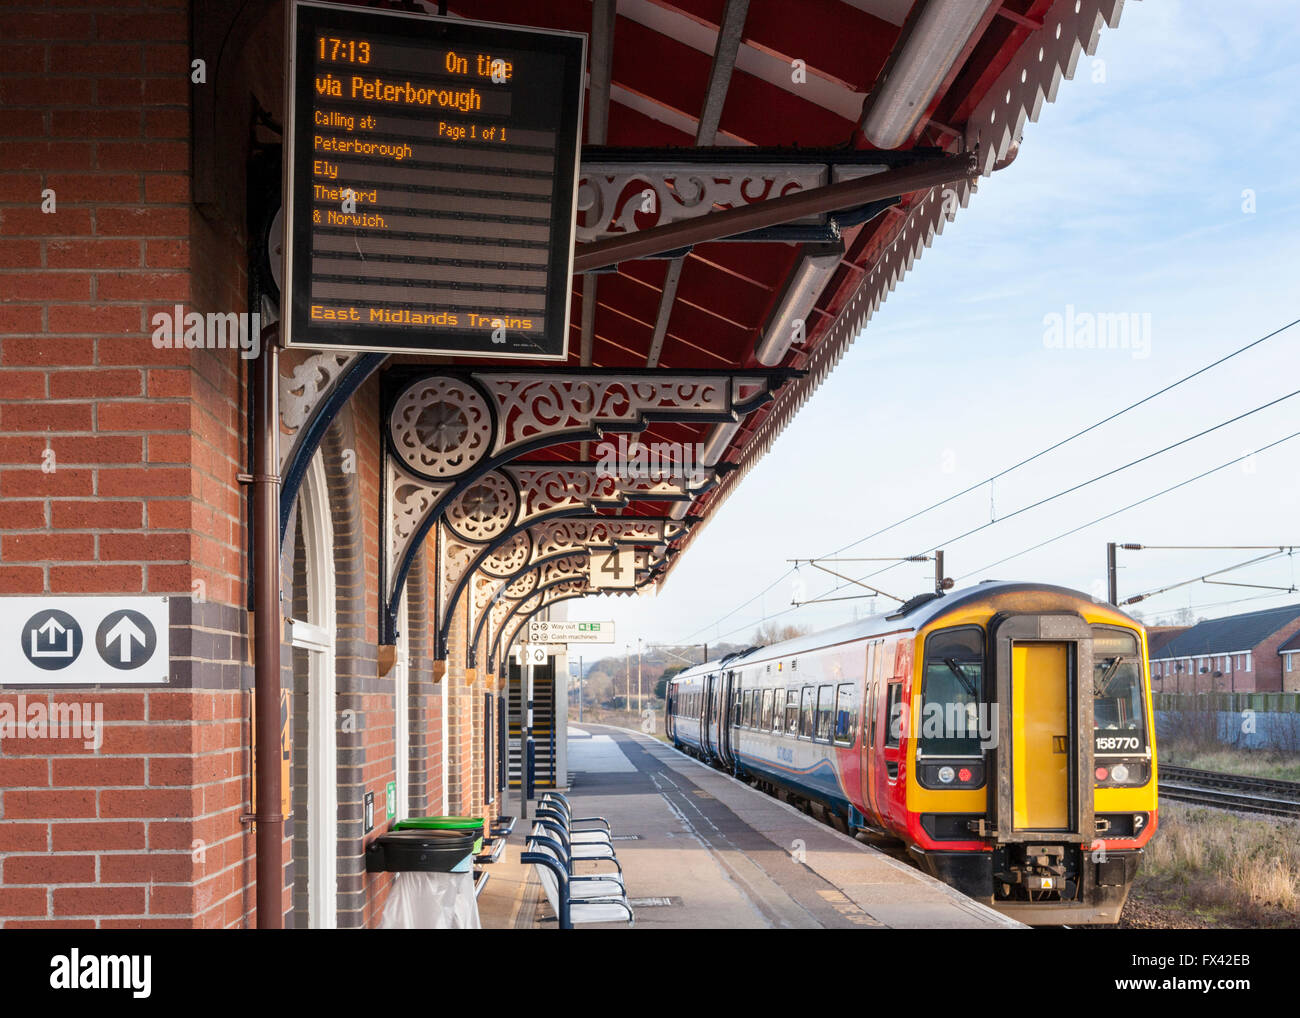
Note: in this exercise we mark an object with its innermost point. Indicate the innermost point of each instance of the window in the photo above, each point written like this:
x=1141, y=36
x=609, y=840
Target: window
x=871, y=716
x=765, y=721
x=1118, y=717
x=778, y=710
x=894, y=715
x=951, y=693
x=1248, y=660
x=792, y=712
x=737, y=702
x=825, y=712
x=747, y=709
x=1289, y=661
x=806, y=713
x=845, y=717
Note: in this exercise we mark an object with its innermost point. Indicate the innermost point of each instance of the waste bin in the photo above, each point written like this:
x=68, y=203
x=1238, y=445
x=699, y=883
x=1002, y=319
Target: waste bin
x=434, y=886
x=441, y=823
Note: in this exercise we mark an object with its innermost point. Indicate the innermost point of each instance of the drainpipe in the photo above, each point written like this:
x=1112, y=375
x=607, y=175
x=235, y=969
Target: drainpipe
x=265, y=526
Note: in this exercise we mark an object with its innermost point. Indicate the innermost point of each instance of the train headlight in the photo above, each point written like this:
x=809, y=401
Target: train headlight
x=1120, y=773
x=1102, y=774
x=946, y=774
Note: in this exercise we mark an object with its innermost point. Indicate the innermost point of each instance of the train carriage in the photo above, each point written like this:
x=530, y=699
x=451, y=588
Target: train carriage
x=1003, y=733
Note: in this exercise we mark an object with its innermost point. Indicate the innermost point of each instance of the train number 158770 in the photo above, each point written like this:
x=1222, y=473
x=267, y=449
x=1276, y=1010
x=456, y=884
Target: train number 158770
x=1117, y=743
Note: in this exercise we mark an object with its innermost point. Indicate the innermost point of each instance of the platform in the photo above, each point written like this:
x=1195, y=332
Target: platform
x=700, y=849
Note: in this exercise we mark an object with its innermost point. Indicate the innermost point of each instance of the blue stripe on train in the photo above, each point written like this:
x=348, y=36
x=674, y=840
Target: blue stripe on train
x=818, y=782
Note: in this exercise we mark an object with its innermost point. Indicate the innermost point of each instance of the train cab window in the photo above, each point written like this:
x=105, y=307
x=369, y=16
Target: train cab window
x=845, y=715
x=951, y=693
x=765, y=720
x=1118, y=715
x=894, y=715
x=825, y=712
x=806, y=703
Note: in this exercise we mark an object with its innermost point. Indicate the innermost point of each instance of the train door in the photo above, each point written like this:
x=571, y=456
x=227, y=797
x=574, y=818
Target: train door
x=670, y=705
x=893, y=706
x=1044, y=751
x=726, y=751
x=708, y=738
x=869, y=735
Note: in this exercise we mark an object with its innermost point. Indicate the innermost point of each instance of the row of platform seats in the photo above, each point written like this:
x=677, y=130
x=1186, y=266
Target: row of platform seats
x=558, y=841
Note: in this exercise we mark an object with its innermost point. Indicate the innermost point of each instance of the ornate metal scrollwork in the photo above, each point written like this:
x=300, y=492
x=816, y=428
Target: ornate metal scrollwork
x=615, y=197
x=556, y=539
x=454, y=438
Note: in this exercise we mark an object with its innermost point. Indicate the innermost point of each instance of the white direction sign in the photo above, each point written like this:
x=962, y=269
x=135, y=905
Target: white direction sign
x=542, y=631
x=77, y=641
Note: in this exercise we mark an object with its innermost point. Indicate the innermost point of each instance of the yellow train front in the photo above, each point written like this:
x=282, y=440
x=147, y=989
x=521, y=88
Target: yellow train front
x=1031, y=783
x=1003, y=733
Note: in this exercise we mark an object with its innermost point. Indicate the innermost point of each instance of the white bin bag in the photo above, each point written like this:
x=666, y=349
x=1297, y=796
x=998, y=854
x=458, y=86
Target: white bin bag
x=431, y=901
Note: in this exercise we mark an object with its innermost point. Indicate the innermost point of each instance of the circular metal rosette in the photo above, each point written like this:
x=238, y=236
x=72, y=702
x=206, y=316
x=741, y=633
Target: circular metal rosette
x=484, y=510
x=441, y=426
x=510, y=557
x=523, y=586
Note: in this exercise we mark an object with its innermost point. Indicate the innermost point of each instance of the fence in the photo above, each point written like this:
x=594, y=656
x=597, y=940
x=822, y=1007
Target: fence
x=1238, y=720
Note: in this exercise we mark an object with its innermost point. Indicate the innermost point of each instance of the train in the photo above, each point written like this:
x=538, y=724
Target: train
x=1002, y=734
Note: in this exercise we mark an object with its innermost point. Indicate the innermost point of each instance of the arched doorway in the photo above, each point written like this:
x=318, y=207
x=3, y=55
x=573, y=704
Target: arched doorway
x=315, y=722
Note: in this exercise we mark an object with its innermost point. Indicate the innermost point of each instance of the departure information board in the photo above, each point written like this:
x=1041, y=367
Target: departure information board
x=430, y=181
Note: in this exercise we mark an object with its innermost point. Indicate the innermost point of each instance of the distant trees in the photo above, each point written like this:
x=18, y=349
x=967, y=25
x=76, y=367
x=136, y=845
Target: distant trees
x=775, y=632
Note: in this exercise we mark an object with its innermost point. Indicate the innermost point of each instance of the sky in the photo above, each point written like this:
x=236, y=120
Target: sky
x=1132, y=193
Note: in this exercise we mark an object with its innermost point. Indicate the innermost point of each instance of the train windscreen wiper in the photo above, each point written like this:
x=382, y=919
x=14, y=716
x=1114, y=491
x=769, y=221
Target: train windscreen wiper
x=1102, y=686
x=955, y=668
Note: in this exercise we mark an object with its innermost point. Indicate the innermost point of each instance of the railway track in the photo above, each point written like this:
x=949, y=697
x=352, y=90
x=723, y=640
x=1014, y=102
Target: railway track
x=1230, y=791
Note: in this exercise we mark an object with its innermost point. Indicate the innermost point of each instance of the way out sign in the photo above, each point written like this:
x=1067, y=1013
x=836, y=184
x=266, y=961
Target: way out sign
x=77, y=641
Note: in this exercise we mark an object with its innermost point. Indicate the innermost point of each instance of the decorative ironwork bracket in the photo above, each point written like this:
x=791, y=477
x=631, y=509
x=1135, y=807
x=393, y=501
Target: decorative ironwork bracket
x=510, y=563
x=311, y=395
x=448, y=430
x=628, y=190
x=488, y=524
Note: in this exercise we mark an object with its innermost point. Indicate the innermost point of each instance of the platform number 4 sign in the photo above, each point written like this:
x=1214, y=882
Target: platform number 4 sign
x=613, y=568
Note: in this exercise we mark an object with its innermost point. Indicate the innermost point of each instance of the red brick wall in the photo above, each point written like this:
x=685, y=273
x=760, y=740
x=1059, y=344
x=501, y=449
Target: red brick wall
x=95, y=104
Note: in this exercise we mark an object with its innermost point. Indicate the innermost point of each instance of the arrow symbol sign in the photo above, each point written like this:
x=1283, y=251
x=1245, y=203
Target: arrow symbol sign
x=51, y=629
x=123, y=634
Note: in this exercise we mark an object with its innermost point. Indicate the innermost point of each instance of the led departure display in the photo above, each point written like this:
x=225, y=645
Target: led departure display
x=430, y=181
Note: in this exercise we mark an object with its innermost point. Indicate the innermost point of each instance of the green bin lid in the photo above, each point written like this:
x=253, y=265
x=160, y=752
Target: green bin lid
x=438, y=823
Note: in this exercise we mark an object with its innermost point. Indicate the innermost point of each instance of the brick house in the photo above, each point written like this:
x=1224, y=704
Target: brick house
x=1237, y=653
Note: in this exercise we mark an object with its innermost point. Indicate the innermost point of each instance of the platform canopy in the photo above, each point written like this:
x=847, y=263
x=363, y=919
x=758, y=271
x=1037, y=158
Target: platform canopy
x=755, y=178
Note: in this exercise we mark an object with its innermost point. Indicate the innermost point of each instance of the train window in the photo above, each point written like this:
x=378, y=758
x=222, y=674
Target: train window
x=778, y=710
x=894, y=715
x=845, y=714
x=871, y=715
x=1118, y=715
x=806, y=713
x=952, y=692
x=792, y=712
x=825, y=712
x=765, y=721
